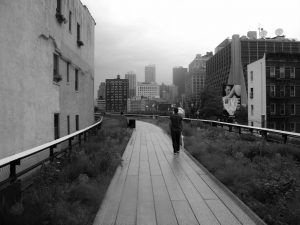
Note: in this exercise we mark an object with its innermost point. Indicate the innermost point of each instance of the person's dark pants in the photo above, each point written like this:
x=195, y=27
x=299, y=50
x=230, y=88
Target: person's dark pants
x=176, y=140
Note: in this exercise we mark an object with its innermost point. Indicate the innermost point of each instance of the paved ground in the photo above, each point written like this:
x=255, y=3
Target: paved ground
x=155, y=187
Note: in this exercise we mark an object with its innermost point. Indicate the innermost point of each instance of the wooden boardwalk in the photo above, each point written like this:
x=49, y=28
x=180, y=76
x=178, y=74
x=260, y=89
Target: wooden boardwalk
x=154, y=187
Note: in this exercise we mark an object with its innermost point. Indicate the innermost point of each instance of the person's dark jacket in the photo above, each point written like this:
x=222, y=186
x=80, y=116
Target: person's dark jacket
x=176, y=122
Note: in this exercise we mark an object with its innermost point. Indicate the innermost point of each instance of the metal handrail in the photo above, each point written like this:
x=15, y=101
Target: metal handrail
x=263, y=131
x=16, y=158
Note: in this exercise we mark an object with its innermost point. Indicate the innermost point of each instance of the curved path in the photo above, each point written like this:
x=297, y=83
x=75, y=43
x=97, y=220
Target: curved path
x=154, y=187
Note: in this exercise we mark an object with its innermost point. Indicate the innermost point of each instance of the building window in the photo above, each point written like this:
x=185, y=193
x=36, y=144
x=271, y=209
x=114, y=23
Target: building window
x=282, y=91
x=272, y=71
x=252, y=110
x=78, y=32
x=56, y=126
x=70, y=21
x=282, y=72
x=282, y=109
x=79, y=41
x=68, y=124
x=293, y=109
x=251, y=75
x=282, y=126
x=292, y=127
x=273, y=108
x=251, y=93
x=292, y=91
x=77, y=122
x=68, y=72
x=56, y=75
x=272, y=90
x=76, y=80
x=58, y=6
x=292, y=72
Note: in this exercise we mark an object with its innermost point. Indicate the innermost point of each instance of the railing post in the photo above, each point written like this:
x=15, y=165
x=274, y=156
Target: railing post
x=12, y=174
x=229, y=128
x=52, y=152
x=284, y=136
x=264, y=134
x=240, y=130
x=70, y=146
x=79, y=140
x=84, y=136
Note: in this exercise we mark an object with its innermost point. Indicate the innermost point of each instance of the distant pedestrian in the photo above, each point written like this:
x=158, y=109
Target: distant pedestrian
x=176, y=129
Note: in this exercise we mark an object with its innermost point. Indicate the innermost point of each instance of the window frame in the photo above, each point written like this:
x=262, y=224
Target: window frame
x=294, y=72
x=70, y=21
x=272, y=71
x=274, y=106
x=282, y=87
x=294, y=111
x=271, y=86
x=294, y=92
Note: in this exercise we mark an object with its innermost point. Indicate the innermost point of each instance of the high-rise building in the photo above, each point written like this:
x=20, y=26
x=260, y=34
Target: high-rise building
x=168, y=92
x=101, y=91
x=46, y=72
x=179, y=76
x=150, y=75
x=117, y=94
x=131, y=76
x=229, y=64
x=195, y=80
x=148, y=90
x=274, y=92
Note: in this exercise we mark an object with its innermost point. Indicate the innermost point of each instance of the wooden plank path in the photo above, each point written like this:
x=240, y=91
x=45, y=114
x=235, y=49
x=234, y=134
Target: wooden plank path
x=154, y=187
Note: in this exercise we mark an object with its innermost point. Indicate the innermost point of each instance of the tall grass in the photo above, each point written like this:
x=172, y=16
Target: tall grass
x=70, y=190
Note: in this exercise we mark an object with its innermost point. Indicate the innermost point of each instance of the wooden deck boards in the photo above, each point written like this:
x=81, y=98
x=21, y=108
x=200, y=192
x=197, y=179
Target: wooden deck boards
x=154, y=187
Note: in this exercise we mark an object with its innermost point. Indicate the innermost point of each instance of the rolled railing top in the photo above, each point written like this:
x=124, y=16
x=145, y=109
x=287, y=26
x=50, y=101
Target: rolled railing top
x=6, y=161
x=230, y=124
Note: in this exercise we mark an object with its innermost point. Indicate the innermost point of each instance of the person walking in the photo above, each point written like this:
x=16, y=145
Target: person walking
x=176, y=129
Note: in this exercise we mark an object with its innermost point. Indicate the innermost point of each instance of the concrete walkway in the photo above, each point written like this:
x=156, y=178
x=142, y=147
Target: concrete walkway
x=155, y=187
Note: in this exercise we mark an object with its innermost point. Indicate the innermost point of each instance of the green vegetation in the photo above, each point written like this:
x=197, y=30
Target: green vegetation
x=70, y=191
x=265, y=176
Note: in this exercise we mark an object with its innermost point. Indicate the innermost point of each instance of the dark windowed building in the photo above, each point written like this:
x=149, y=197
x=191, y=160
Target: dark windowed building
x=179, y=75
x=117, y=92
x=274, y=92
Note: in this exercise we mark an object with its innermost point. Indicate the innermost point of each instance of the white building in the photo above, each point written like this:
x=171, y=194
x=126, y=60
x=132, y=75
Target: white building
x=46, y=72
x=150, y=74
x=257, y=93
x=131, y=76
x=148, y=90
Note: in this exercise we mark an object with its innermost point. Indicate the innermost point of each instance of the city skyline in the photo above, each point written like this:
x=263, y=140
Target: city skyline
x=132, y=34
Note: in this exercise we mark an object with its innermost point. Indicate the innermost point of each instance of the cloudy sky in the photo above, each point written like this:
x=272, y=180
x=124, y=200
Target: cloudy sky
x=133, y=33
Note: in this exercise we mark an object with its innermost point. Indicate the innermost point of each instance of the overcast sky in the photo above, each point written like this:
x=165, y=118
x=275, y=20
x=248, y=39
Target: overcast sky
x=130, y=34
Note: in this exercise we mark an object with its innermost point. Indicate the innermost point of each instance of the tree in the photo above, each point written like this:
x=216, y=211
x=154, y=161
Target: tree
x=211, y=105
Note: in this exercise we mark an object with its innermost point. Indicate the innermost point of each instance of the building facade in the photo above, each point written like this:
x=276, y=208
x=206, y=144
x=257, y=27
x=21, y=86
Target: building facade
x=179, y=76
x=168, y=92
x=195, y=79
x=150, y=74
x=229, y=64
x=274, y=92
x=136, y=104
x=148, y=90
x=117, y=91
x=131, y=76
x=101, y=91
x=46, y=72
